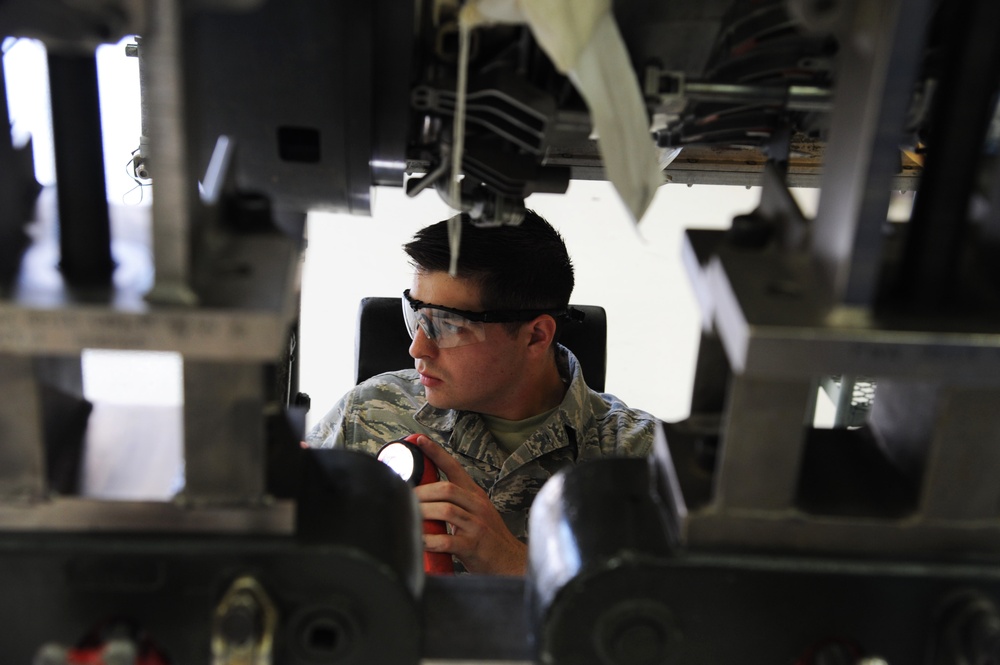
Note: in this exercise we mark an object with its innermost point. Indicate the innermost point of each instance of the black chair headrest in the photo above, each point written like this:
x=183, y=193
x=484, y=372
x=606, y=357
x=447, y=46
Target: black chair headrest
x=382, y=343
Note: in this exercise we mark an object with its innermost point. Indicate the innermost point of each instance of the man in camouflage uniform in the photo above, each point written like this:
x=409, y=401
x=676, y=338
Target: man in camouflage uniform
x=500, y=404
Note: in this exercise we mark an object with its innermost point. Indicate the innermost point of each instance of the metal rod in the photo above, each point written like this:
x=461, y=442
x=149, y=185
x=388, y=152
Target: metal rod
x=22, y=455
x=845, y=397
x=792, y=98
x=175, y=184
x=140, y=162
x=11, y=235
x=84, y=229
x=877, y=65
x=6, y=144
x=962, y=110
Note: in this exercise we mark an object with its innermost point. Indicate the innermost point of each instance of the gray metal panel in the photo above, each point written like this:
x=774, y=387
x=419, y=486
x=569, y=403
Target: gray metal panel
x=775, y=320
x=22, y=457
x=960, y=481
x=305, y=122
x=223, y=433
x=761, y=446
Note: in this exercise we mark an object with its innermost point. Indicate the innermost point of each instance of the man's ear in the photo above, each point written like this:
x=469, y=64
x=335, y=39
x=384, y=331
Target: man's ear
x=543, y=332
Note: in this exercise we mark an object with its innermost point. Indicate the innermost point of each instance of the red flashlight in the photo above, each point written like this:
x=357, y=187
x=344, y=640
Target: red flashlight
x=404, y=457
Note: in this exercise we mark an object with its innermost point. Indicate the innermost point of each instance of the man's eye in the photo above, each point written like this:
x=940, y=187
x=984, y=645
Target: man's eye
x=452, y=327
x=427, y=324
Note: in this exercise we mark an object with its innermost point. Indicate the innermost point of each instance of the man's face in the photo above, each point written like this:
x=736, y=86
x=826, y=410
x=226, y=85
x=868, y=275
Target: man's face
x=483, y=376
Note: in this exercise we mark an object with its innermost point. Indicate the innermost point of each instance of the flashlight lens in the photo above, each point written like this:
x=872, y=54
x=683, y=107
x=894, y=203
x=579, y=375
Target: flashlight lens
x=399, y=458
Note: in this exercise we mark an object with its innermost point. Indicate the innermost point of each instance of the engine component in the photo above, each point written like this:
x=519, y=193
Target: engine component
x=244, y=625
x=595, y=533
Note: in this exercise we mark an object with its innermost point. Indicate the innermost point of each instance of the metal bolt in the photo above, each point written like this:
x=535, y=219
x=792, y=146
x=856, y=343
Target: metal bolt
x=749, y=232
x=240, y=625
x=51, y=654
x=635, y=632
x=120, y=652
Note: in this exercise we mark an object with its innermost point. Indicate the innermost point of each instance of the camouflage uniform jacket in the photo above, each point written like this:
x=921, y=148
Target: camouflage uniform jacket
x=587, y=425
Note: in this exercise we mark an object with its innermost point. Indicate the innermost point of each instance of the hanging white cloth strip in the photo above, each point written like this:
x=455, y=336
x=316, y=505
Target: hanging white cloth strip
x=583, y=42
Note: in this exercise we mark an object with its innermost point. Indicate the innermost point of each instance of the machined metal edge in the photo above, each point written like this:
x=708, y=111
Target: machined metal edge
x=796, y=531
x=768, y=333
x=65, y=514
x=196, y=333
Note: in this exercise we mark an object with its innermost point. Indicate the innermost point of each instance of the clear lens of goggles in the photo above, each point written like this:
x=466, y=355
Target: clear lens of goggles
x=446, y=329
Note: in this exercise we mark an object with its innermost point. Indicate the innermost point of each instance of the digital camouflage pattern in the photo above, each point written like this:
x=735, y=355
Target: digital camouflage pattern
x=587, y=425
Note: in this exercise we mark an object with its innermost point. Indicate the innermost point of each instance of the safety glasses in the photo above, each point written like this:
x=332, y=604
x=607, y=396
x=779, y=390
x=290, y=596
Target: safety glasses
x=448, y=327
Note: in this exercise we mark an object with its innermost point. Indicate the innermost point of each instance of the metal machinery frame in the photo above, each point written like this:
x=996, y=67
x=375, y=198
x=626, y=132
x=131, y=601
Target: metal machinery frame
x=748, y=536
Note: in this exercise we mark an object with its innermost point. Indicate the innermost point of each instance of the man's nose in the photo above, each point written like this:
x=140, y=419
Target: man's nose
x=422, y=346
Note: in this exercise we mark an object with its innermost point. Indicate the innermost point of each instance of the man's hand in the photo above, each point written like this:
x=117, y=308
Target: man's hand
x=479, y=537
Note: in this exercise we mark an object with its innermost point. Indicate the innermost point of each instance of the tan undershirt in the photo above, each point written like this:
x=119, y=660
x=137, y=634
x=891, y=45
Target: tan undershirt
x=510, y=434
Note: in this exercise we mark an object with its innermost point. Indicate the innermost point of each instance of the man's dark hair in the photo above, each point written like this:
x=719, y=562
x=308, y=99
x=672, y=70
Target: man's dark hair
x=516, y=267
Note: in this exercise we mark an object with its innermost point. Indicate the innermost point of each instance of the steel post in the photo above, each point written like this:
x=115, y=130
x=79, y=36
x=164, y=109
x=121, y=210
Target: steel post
x=84, y=229
x=877, y=66
x=223, y=432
